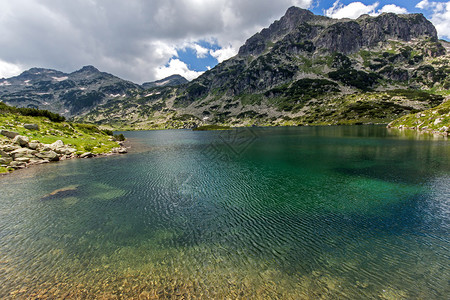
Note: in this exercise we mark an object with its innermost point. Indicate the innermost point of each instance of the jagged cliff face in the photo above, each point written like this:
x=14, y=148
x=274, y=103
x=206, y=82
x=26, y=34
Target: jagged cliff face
x=345, y=36
x=306, y=69
x=269, y=56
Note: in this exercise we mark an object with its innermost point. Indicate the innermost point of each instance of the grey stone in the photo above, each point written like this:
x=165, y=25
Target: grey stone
x=57, y=144
x=86, y=155
x=48, y=155
x=9, y=134
x=3, y=153
x=5, y=160
x=9, y=148
x=23, y=152
x=31, y=126
x=33, y=145
x=21, y=140
x=23, y=159
x=44, y=147
x=18, y=165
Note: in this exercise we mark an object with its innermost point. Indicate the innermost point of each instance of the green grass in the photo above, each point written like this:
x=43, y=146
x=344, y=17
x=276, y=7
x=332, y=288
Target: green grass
x=426, y=118
x=211, y=127
x=83, y=137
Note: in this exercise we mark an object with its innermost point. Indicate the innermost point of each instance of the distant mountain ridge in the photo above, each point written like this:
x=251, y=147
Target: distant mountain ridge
x=173, y=80
x=73, y=93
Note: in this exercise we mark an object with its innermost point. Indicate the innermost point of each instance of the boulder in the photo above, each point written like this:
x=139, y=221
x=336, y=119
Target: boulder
x=437, y=121
x=3, y=153
x=48, y=155
x=23, y=159
x=86, y=155
x=120, y=150
x=33, y=145
x=9, y=148
x=38, y=161
x=65, y=150
x=9, y=134
x=4, y=160
x=31, y=126
x=21, y=140
x=44, y=147
x=57, y=144
x=23, y=152
x=18, y=165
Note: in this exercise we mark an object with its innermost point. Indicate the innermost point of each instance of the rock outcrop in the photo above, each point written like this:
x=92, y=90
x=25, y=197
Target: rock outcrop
x=19, y=153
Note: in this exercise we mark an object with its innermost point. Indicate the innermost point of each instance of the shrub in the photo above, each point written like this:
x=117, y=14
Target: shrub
x=119, y=137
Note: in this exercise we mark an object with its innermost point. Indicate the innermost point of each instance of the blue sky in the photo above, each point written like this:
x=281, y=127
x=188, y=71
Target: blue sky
x=409, y=5
x=147, y=40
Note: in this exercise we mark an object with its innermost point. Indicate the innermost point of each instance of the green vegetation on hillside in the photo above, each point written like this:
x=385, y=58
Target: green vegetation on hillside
x=82, y=137
x=25, y=111
x=436, y=119
x=211, y=127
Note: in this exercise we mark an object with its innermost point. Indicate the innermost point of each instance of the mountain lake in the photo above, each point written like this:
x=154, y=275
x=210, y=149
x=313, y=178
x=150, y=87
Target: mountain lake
x=337, y=212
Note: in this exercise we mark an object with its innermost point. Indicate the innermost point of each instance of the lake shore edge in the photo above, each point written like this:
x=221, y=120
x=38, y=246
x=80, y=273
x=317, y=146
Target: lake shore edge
x=18, y=152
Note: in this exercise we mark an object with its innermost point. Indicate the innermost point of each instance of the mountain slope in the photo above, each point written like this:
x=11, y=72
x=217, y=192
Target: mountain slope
x=172, y=80
x=305, y=69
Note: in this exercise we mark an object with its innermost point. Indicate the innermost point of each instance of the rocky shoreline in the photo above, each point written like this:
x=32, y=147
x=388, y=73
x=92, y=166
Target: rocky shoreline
x=18, y=152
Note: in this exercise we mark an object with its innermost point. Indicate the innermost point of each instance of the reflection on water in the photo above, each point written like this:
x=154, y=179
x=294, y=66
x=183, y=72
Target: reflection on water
x=289, y=213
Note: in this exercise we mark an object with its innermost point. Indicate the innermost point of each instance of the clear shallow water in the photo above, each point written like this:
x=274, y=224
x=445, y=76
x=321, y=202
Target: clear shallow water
x=289, y=213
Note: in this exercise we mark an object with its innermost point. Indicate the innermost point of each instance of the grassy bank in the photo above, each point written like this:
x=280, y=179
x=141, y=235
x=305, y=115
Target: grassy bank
x=435, y=120
x=49, y=128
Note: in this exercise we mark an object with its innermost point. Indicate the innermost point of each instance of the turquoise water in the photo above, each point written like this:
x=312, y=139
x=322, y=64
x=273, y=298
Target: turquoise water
x=288, y=213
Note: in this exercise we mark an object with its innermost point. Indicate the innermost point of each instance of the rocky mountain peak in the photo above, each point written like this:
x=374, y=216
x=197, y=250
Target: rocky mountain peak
x=343, y=35
x=88, y=69
x=398, y=27
x=173, y=80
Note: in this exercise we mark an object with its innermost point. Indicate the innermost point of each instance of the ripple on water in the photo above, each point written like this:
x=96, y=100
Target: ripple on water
x=302, y=213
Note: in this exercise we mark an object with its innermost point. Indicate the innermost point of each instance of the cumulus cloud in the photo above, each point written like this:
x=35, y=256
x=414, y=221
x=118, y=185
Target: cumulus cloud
x=223, y=53
x=424, y=4
x=8, y=69
x=352, y=10
x=392, y=8
x=176, y=66
x=131, y=39
x=355, y=9
x=440, y=15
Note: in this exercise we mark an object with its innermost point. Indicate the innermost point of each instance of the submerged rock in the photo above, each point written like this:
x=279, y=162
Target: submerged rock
x=62, y=193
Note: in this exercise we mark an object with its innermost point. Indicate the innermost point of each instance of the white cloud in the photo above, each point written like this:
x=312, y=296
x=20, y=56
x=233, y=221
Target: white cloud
x=424, y=4
x=202, y=52
x=355, y=9
x=440, y=16
x=9, y=70
x=352, y=10
x=392, y=8
x=224, y=53
x=176, y=66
